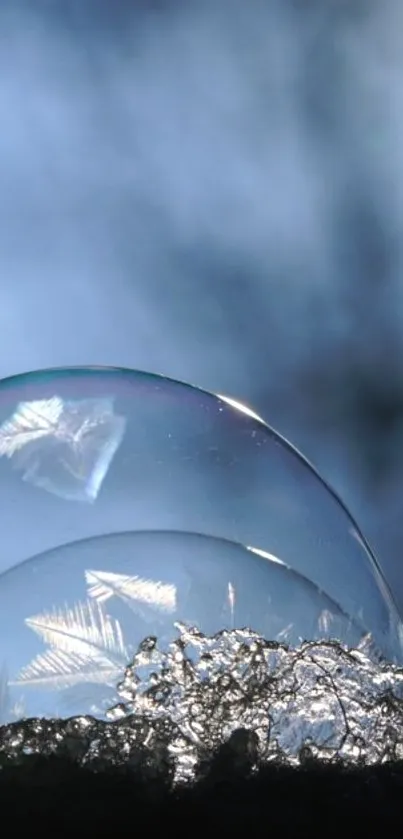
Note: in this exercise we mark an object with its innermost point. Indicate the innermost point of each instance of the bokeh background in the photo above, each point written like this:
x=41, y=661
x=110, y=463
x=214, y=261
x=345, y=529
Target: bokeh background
x=213, y=190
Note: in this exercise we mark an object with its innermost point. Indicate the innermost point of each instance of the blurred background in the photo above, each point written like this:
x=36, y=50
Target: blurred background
x=213, y=190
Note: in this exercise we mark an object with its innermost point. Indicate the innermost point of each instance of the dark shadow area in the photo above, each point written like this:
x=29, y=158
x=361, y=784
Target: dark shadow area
x=59, y=799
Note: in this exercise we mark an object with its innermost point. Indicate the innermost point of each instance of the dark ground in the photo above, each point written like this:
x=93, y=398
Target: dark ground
x=57, y=798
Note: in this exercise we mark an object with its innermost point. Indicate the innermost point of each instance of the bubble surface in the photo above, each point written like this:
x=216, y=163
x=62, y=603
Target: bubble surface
x=73, y=619
x=90, y=451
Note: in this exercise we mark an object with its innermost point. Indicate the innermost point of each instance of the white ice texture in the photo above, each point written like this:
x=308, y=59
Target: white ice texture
x=64, y=447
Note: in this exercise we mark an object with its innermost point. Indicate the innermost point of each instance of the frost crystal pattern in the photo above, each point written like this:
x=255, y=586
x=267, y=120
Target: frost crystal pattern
x=64, y=447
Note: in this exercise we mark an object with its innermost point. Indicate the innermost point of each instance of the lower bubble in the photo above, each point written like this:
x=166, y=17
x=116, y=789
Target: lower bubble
x=72, y=620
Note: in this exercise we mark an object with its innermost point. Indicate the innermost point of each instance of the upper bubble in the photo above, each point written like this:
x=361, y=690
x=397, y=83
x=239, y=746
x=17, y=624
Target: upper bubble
x=86, y=452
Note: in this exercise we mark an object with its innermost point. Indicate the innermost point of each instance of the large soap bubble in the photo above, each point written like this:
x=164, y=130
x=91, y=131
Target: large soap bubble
x=90, y=451
x=72, y=619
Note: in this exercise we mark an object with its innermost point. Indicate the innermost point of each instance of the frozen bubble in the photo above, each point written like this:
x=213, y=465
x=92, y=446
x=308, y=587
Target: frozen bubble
x=89, y=451
x=71, y=620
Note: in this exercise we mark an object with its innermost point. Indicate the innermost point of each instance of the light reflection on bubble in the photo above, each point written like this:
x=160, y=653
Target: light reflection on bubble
x=72, y=619
x=90, y=451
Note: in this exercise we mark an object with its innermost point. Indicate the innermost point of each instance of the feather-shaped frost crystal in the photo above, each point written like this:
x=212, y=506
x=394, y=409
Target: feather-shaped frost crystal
x=102, y=585
x=84, y=645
